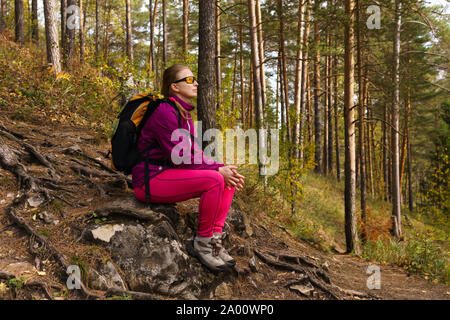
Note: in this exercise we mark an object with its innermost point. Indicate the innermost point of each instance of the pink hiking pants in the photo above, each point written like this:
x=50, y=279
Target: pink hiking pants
x=176, y=185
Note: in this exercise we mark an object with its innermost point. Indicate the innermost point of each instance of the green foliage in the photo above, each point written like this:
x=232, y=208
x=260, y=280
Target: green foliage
x=417, y=255
x=17, y=282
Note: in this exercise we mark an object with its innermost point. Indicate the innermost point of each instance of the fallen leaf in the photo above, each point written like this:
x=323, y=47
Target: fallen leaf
x=3, y=287
x=9, y=233
x=41, y=273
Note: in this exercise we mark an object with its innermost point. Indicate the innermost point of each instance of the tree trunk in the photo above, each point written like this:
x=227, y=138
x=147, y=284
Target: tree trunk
x=165, y=33
x=361, y=127
x=151, y=67
x=185, y=27
x=325, y=111
x=330, y=111
x=63, y=43
x=298, y=80
x=284, y=71
x=34, y=21
x=303, y=87
x=351, y=234
x=51, y=35
x=283, y=121
x=107, y=27
x=97, y=29
x=396, y=187
x=206, y=110
x=261, y=51
x=2, y=15
x=129, y=32
x=217, y=59
x=336, y=116
x=318, y=120
x=409, y=163
x=81, y=32
x=233, y=94
x=70, y=31
x=241, y=75
x=19, y=22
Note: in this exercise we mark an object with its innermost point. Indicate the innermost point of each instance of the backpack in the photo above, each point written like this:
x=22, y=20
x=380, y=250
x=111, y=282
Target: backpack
x=124, y=143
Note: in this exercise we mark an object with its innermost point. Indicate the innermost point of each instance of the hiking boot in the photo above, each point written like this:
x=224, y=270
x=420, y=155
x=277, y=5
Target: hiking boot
x=223, y=254
x=207, y=253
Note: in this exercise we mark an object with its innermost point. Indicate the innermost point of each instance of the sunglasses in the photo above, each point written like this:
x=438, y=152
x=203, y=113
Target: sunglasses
x=189, y=80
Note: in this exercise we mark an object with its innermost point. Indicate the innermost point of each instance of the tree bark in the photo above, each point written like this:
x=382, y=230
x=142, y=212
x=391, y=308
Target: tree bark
x=396, y=187
x=164, y=9
x=129, y=32
x=351, y=234
x=298, y=80
x=284, y=76
x=70, y=32
x=217, y=59
x=336, y=116
x=261, y=51
x=241, y=75
x=2, y=15
x=325, y=111
x=19, y=22
x=304, y=83
x=361, y=127
x=51, y=35
x=206, y=109
x=318, y=120
x=81, y=32
x=185, y=27
x=97, y=28
x=34, y=21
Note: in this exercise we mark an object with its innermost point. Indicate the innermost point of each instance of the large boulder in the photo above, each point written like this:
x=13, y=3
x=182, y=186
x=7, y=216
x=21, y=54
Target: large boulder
x=150, y=247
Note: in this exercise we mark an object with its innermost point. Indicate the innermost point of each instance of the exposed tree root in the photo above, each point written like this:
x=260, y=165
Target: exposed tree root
x=134, y=294
x=311, y=275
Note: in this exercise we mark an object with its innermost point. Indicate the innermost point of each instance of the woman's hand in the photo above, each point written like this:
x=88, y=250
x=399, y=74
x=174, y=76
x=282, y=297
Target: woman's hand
x=232, y=178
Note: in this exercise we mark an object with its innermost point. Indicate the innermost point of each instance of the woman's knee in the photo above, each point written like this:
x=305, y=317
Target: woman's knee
x=216, y=178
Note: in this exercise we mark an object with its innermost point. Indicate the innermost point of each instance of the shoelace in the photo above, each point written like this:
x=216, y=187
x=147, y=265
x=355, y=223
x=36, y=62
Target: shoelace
x=216, y=246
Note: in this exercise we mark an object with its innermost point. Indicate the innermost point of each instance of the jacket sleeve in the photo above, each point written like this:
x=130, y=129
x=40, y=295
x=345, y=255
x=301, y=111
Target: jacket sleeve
x=165, y=121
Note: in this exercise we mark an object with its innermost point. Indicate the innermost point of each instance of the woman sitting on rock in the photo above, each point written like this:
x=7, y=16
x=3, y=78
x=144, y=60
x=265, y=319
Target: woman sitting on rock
x=213, y=182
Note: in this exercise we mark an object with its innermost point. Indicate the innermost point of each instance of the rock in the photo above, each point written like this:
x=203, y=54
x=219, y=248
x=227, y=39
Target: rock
x=105, y=232
x=223, y=292
x=47, y=217
x=304, y=289
x=35, y=201
x=18, y=268
x=151, y=251
x=253, y=264
x=239, y=223
x=73, y=150
x=248, y=251
x=108, y=277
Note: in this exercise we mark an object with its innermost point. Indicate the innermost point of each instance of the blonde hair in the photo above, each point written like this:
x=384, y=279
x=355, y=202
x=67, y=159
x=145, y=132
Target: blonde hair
x=169, y=77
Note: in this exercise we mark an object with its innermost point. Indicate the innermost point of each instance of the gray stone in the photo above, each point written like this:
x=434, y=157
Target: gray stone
x=151, y=252
x=223, y=292
x=47, y=217
x=253, y=264
x=305, y=289
x=105, y=232
x=106, y=277
x=35, y=201
x=239, y=223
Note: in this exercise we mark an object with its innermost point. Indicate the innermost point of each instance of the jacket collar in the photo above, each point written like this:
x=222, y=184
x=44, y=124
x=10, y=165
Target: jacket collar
x=184, y=104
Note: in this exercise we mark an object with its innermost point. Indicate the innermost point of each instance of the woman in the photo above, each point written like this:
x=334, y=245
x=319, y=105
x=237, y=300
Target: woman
x=213, y=182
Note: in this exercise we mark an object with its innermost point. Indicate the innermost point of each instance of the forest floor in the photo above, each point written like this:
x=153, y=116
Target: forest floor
x=79, y=194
